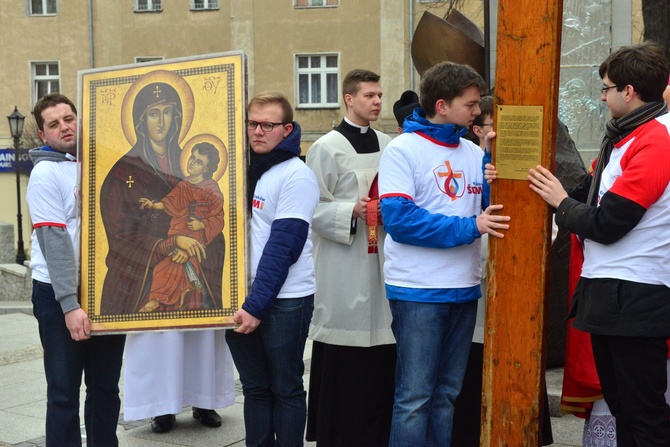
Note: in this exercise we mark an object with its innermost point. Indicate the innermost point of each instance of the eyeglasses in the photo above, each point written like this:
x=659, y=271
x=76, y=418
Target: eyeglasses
x=605, y=88
x=265, y=127
x=486, y=124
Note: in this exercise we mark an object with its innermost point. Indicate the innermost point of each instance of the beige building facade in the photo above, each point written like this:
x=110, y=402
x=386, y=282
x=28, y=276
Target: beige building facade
x=301, y=47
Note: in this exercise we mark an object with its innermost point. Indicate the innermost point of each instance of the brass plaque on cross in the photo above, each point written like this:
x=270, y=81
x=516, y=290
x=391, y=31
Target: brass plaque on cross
x=519, y=141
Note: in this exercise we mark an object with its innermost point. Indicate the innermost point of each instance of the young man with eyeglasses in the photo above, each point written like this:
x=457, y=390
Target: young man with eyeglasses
x=268, y=345
x=483, y=123
x=353, y=352
x=622, y=215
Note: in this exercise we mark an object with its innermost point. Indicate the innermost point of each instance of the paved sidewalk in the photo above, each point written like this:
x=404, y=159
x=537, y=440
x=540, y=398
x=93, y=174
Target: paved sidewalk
x=23, y=402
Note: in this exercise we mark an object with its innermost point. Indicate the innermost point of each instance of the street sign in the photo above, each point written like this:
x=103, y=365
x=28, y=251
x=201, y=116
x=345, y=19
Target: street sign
x=8, y=156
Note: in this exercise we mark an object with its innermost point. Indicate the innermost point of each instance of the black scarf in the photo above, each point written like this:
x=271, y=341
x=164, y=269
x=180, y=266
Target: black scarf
x=259, y=165
x=617, y=130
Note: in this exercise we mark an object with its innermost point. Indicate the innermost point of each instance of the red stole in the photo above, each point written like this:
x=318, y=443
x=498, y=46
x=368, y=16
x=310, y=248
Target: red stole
x=373, y=217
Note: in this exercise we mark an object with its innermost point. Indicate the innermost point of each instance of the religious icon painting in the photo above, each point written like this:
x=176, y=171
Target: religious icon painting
x=163, y=232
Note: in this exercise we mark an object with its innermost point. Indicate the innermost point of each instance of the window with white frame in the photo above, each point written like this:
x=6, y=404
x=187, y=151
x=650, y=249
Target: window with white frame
x=202, y=5
x=314, y=3
x=43, y=7
x=317, y=77
x=148, y=5
x=148, y=58
x=46, y=78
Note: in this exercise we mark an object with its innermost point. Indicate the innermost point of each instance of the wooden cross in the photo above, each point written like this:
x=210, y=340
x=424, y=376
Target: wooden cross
x=527, y=73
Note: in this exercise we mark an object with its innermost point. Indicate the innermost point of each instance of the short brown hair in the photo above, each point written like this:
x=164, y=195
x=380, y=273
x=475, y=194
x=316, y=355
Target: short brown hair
x=50, y=100
x=643, y=66
x=273, y=97
x=486, y=109
x=353, y=79
x=447, y=80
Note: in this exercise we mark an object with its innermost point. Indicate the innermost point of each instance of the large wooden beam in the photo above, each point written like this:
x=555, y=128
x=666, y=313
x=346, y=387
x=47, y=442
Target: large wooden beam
x=527, y=74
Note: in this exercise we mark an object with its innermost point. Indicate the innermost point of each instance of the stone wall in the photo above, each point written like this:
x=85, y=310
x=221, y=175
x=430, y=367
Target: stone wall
x=7, y=252
x=15, y=282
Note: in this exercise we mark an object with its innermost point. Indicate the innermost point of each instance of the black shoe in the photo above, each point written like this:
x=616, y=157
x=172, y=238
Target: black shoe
x=208, y=418
x=162, y=424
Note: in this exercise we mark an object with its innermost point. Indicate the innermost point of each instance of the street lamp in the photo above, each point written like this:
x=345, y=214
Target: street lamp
x=16, y=128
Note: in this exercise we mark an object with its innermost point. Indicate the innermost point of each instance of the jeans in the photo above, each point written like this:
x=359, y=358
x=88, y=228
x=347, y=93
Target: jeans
x=99, y=358
x=269, y=361
x=433, y=341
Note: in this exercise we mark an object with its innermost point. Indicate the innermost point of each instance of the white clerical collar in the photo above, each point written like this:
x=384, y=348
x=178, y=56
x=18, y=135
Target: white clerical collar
x=363, y=129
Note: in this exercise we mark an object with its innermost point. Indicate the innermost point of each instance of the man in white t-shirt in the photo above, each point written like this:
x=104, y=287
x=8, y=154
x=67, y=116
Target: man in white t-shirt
x=69, y=350
x=432, y=190
x=268, y=345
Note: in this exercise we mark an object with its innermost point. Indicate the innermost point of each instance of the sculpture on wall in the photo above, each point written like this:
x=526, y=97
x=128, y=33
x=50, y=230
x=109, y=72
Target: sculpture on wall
x=456, y=39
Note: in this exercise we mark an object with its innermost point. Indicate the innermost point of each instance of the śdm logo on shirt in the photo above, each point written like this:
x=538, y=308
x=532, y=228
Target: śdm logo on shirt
x=258, y=202
x=450, y=182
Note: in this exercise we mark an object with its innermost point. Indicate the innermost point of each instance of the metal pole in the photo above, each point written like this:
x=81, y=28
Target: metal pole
x=487, y=44
x=20, y=252
x=411, y=36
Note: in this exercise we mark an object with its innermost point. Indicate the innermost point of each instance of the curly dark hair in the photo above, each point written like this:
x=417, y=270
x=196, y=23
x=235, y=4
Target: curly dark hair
x=212, y=153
